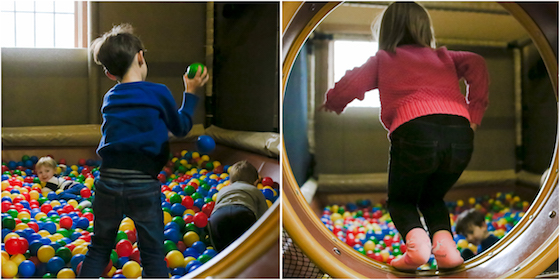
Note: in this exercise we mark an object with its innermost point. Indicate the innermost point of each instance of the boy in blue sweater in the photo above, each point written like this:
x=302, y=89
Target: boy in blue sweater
x=471, y=223
x=137, y=116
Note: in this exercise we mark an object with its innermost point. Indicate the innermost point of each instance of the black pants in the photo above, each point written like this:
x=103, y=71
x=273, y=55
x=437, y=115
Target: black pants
x=228, y=223
x=427, y=157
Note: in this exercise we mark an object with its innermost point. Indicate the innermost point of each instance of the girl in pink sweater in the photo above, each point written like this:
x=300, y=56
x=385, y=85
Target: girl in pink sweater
x=430, y=122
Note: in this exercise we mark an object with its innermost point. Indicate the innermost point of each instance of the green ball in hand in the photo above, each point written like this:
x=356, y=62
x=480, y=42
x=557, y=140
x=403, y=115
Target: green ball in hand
x=193, y=68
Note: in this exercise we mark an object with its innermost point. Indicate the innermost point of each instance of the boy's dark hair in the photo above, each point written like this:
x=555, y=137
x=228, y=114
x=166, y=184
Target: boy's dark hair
x=469, y=218
x=116, y=49
x=243, y=171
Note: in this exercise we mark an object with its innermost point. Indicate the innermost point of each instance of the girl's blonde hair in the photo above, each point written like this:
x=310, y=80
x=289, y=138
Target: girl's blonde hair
x=404, y=23
x=46, y=161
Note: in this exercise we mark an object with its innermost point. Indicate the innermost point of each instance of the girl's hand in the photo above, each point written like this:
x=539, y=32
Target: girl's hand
x=192, y=85
x=323, y=108
x=474, y=126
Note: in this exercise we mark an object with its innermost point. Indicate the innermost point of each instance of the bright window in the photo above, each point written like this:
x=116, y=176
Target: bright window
x=350, y=54
x=42, y=24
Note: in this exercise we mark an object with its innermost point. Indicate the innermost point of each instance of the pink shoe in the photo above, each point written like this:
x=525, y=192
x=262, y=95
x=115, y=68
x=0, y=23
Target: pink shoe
x=445, y=250
x=418, y=250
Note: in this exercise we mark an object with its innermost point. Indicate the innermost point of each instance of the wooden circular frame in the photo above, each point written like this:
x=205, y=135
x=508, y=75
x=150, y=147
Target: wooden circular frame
x=526, y=251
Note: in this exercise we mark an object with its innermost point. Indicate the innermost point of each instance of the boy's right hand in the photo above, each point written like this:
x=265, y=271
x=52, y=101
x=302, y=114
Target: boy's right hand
x=192, y=85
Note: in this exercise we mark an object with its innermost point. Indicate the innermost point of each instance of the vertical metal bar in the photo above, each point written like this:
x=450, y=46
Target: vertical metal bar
x=209, y=99
x=517, y=84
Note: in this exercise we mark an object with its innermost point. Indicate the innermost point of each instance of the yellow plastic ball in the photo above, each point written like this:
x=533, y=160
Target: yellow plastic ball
x=188, y=260
x=195, y=155
x=166, y=217
x=175, y=259
x=5, y=256
x=21, y=226
x=66, y=273
x=216, y=164
x=460, y=203
x=189, y=211
x=55, y=203
x=10, y=235
x=40, y=215
x=369, y=245
x=18, y=258
x=184, y=152
x=473, y=248
x=73, y=202
x=336, y=216
x=5, y=185
x=269, y=203
x=205, y=158
x=131, y=269
x=334, y=208
x=9, y=269
x=215, y=197
x=472, y=200
x=462, y=243
x=190, y=237
x=45, y=253
x=34, y=195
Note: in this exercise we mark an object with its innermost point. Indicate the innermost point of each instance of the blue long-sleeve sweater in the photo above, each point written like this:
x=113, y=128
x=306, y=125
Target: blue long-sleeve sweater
x=136, y=119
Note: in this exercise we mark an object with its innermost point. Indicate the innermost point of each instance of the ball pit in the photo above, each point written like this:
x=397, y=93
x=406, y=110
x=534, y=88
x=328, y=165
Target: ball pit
x=370, y=231
x=43, y=236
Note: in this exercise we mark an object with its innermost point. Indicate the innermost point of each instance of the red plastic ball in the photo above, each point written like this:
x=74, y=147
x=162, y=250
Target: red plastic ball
x=267, y=181
x=200, y=219
x=187, y=202
x=82, y=161
x=66, y=222
x=124, y=248
x=161, y=178
x=135, y=255
x=46, y=208
x=85, y=192
x=5, y=206
x=88, y=216
x=131, y=235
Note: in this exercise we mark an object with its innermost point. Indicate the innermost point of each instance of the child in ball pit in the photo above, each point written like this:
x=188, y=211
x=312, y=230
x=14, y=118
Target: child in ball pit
x=134, y=147
x=430, y=122
x=471, y=224
x=238, y=206
x=46, y=169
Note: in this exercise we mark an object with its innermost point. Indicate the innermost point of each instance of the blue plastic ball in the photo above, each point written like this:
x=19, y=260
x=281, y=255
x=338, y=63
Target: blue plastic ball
x=191, y=252
x=26, y=269
x=199, y=246
x=55, y=264
x=75, y=260
x=178, y=209
x=172, y=234
x=205, y=144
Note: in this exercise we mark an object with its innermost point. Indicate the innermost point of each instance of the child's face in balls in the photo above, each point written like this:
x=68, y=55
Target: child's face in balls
x=476, y=234
x=45, y=173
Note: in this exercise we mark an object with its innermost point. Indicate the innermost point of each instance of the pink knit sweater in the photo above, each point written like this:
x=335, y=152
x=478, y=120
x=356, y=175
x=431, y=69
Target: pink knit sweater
x=416, y=81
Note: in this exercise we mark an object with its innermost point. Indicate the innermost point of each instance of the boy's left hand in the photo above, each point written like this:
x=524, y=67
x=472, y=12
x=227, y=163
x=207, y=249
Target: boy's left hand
x=192, y=85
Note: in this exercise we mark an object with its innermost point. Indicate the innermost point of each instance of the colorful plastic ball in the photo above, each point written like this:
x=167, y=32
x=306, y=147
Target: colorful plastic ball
x=178, y=209
x=76, y=259
x=178, y=271
x=45, y=253
x=55, y=264
x=9, y=269
x=172, y=234
x=66, y=222
x=191, y=252
x=124, y=248
x=190, y=238
x=205, y=144
x=204, y=258
x=200, y=220
x=16, y=245
x=66, y=273
x=26, y=269
x=199, y=246
x=64, y=253
x=175, y=259
x=131, y=269
x=210, y=252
